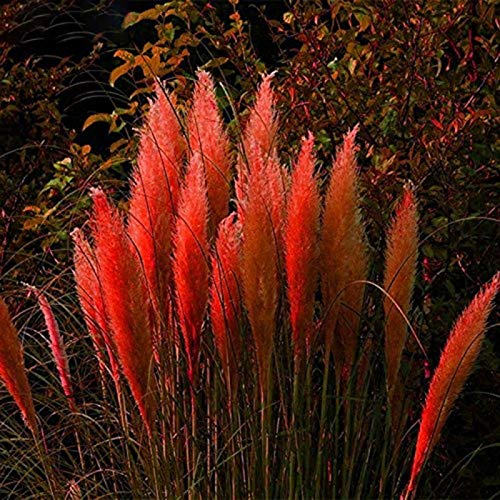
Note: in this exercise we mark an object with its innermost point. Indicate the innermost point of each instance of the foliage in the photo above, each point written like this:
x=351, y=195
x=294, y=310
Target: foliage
x=44, y=170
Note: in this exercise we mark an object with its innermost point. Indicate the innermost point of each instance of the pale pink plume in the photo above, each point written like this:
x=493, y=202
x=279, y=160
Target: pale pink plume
x=301, y=236
x=57, y=347
x=399, y=281
x=12, y=370
x=154, y=195
x=90, y=295
x=190, y=265
x=225, y=299
x=344, y=257
x=208, y=138
x=126, y=303
x=455, y=365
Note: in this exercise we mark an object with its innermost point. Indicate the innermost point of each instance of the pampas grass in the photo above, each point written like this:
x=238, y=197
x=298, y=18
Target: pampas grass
x=154, y=196
x=190, y=265
x=57, y=347
x=12, y=371
x=126, y=302
x=455, y=365
x=225, y=301
x=209, y=140
x=399, y=281
x=344, y=258
x=301, y=249
x=203, y=307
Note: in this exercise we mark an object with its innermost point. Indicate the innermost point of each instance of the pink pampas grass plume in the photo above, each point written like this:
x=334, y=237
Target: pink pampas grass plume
x=455, y=365
x=262, y=123
x=57, y=347
x=301, y=248
x=208, y=138
x=154, y=195
x=225, y=300
x=190, y=266
x=259, y=149
x=262, y=219
x=126, y=303
x=90, y=295
x=344, y=257
x=399, y=281
x=12, y=371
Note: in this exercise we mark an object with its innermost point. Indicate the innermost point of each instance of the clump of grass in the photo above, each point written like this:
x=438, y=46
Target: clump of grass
x=214, y=320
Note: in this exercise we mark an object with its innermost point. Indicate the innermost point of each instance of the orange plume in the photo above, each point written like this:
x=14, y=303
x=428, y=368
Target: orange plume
x=225, y=299
x=208, y=138
x=262, y=123
x=190, y=264
x=154, y=194
x=12, y=371
x=301, y=247
x=344, y=258
x=455, y=365
x=126, y=303
x=90, y=295
x=262, y=219
x=399, y=281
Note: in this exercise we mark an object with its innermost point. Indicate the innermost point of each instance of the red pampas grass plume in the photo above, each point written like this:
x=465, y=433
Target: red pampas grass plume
x=344, y=258
x=262, y=219
x=225, y=300
x=126, y=303
x=154, y=195
x=399, y=281
x=190, y=266
x=12, y=371
x=455, y=365
x=301, y=248
x=208, y=138
x=90, y=295
x=57, y=347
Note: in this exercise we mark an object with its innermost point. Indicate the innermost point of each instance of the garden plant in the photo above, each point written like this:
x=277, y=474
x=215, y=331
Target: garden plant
x=245, y=339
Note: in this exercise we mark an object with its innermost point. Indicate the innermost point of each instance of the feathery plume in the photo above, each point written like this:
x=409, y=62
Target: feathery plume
x=225, y=299
x=126, y=303
x=154, y=195
x=190, y=265
x=301, y=248
x=455, y=365
x=90, y=295
x=57, y=347
x=262, y=218
x=12, y=371
x=259, y=145
x=344, y=257
x=208, y=138
x=262, y=123
x=399, y=281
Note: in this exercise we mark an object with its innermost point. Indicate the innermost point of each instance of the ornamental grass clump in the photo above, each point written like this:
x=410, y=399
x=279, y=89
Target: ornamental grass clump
x=242, y=343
